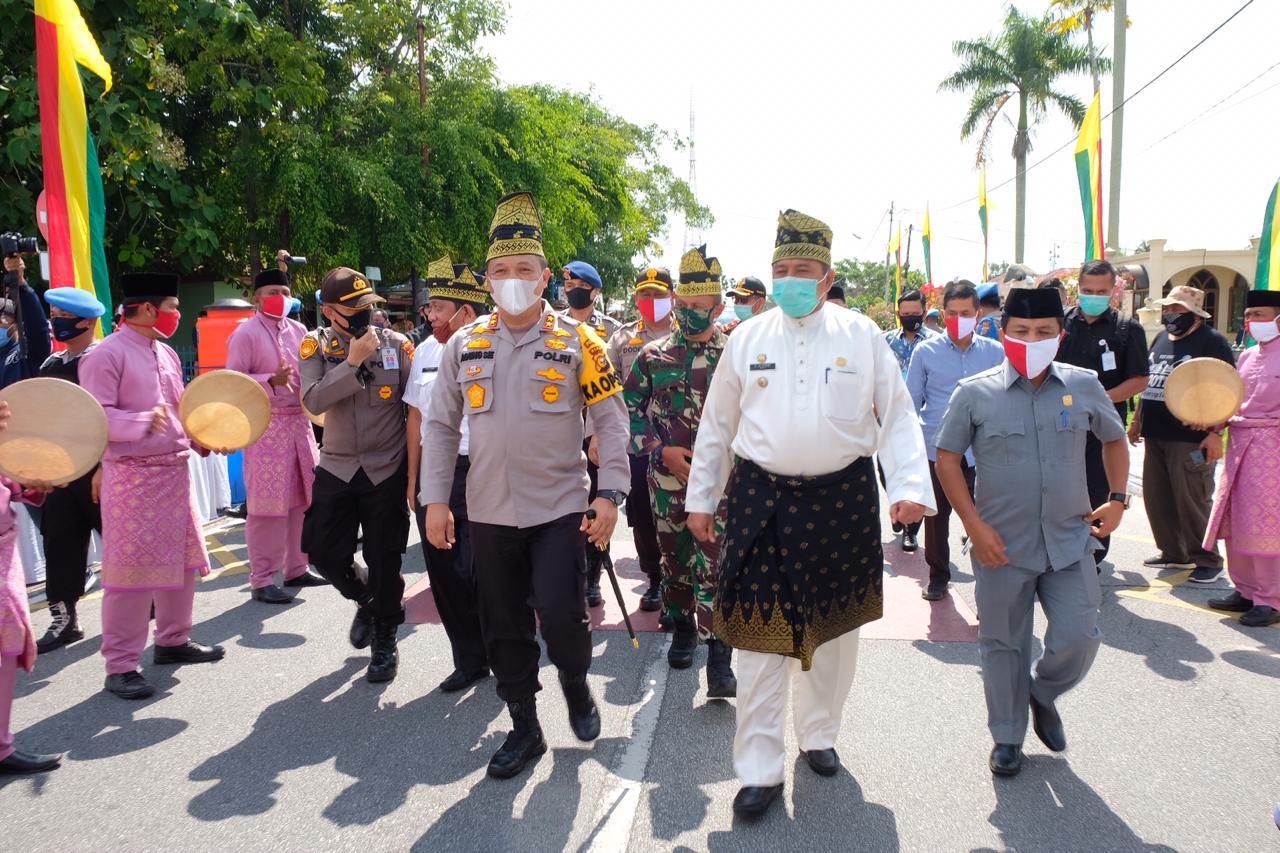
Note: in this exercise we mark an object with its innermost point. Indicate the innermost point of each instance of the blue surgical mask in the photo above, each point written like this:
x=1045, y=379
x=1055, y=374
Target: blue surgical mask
x=797, y=297
x=1094, y=305
x=744, y=312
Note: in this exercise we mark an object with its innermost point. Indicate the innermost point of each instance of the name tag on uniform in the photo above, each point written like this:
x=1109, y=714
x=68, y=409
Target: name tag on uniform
x=764, y=365
x=390, y=358
x=1108, y=360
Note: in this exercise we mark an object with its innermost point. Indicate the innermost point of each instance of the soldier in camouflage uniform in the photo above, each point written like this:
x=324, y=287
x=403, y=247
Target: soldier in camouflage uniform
x=665, y=392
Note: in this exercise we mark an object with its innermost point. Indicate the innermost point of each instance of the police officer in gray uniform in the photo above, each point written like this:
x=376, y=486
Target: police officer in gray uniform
x=1033, y=530
x=355, y=375
x=522, y=377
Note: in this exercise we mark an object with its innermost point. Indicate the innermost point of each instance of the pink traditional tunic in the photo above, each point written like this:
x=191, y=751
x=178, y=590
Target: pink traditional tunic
x=16, y=639
x=280, y=468
x=151, y=532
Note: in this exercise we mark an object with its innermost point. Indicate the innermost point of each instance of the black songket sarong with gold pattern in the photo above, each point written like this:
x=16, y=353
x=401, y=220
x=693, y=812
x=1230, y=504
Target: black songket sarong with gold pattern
x=801, y=562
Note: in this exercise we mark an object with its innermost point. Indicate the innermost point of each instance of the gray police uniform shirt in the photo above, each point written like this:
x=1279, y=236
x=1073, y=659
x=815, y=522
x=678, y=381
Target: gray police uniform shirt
x=364, y=415
x=626, y=343
x=523, y=398
x=1029, y=447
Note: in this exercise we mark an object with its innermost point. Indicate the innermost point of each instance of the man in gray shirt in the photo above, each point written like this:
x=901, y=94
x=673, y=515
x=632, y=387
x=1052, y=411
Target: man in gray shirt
x=522, y=377
x=1033, y=530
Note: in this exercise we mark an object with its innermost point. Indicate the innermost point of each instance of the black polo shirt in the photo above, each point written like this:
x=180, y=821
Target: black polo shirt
x=1086, y=345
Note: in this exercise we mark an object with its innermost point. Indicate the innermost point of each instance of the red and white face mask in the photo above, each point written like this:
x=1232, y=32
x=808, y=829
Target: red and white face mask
x=275, y=305
x=1031, y=358
x=960, y=328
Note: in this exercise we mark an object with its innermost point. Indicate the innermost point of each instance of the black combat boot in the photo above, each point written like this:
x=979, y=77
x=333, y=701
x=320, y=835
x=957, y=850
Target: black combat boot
x=652, y=598
x=683, y=644
x=523, y=744
x=584, y=717
x=721, y=682
x=361, y=633
x=65, y=628
x=384, y=661
x=595, y=567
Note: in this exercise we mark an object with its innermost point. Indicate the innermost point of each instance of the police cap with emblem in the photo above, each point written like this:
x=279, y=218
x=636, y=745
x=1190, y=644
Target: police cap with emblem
x=516, y=228
x=141, y=286
x=699, y=275
x=267, y=278
x=656, y=279
x=748, y=288
x=1033, y=303
x=802, y=236
x=344, y=286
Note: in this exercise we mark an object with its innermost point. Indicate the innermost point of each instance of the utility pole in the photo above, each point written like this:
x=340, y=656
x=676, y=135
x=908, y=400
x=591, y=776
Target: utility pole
x=906, y=265
x=1120, y=14
x=422, y=79
x=693, y=182
x=887, y=275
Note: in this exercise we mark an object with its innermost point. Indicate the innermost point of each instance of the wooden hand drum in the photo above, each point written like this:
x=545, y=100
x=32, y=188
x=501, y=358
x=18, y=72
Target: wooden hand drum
x=224, y=410
x=57, y=431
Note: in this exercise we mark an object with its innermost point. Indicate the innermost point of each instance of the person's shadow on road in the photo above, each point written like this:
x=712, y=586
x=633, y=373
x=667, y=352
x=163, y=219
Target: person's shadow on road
x=1167, y=649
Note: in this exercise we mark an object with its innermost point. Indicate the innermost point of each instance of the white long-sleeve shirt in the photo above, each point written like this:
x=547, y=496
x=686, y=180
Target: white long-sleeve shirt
x=805, y=397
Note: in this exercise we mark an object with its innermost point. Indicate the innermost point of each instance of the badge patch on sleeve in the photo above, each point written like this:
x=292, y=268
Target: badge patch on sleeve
x=475, y=396
x=408, y=349
x=596, y=375
x=309, y=347
x=550, y=394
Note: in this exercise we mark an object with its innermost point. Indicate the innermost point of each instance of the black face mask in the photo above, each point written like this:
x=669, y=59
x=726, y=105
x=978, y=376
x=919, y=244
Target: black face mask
x=911, y=322
x=580, y=297
x=66, y=328
x=358, y=322
x=1178, y=324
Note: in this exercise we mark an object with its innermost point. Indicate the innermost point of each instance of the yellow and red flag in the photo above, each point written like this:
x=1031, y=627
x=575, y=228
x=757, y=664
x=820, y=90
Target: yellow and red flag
x=72, y=178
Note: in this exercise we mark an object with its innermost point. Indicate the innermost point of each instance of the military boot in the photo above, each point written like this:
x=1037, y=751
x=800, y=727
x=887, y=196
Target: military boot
x=683, y=644
x=721, y=682
x=523, y=744
x=595, y=567
x=384, y=660
x=584, y=717
x=65, y=628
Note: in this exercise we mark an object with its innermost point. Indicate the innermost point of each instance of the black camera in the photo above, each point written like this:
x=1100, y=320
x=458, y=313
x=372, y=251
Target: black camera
x=13, y=243
x=295, y=261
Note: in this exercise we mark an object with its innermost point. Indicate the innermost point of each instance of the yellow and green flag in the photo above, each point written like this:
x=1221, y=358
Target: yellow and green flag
x=926, y=237
x=1089, y=174
x=1268, y=276
x=982, y=215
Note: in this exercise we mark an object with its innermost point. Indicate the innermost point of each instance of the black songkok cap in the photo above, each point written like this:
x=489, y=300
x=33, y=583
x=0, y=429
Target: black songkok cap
x=1033, y=304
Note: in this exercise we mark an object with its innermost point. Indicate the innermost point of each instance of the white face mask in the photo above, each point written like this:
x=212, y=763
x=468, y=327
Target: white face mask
x=661, y=308
x=960, y=328
x=1030, y=358
x=1264, y=331
x=514, y=295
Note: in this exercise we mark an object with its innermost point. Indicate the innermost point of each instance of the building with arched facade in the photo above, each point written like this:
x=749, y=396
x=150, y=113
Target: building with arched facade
x=1223, y=274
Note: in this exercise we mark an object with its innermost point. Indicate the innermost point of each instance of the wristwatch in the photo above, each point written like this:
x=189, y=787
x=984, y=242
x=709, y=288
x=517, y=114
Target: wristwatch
x=618, y=498
x=1122, y=498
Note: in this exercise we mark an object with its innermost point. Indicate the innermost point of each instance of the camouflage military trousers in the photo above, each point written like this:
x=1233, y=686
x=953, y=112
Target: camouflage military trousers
x=689, y=567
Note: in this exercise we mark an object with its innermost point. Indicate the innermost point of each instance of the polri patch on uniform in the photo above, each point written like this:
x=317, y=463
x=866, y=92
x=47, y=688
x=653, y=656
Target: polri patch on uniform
x=636, y=342
x=557, y=344
x=1066, y=399
x=385, y=392
x=475, y=396
x=550, y=394
x=479, y=343
x=309, y=347
x=552, y=375
x=474, y=369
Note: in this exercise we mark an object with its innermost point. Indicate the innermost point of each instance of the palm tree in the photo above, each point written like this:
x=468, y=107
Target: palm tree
x=1077, y=15
x=1022, y=61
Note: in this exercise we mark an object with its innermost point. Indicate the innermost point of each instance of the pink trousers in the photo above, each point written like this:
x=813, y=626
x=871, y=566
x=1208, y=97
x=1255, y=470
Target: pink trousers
x=125, y=617
x=1256, y=578
x=275, y=543
x=8, y=678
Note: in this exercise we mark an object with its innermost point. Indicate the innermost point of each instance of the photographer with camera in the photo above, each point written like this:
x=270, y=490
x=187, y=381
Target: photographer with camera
x=26, y=342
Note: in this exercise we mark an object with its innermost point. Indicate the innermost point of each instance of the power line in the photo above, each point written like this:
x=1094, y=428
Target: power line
x=1222, y=101
x=1127, y=99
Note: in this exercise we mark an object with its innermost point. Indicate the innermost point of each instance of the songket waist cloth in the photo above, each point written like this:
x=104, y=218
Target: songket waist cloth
x=150, y=526
x=279, y=468
x=801, y=562
x=1246, y=507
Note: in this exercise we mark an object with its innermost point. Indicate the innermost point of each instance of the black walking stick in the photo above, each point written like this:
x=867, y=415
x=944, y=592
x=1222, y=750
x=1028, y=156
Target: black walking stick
x=617, y=590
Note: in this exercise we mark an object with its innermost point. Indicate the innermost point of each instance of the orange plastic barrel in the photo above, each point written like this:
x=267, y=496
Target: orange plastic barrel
x=214, y=328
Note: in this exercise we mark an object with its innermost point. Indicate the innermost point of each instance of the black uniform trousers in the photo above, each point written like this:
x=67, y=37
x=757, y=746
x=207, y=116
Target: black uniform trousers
x=1098, y=484
x=453, y=582
x=595, y=556
x=338, y=511
x=914, y=527
x=70, y=516
x=937, y=528
x=640, y=519
x=526, y=572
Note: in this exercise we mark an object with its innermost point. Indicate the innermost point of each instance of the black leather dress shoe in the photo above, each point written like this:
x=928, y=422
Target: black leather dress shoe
x=1233, y=603
x=308, y=578
x=361, y=634
x=824, y=762
x=1006, y=759
x=909, y=543
x=271, y=594
x=651, y=601
x=189, y=652
x=584, y=716
x=754, y=800
x=459, y=680
x=1260, y=616
x=129, y=685
x=1048, y=726
x=28, y=762
x=934, y=592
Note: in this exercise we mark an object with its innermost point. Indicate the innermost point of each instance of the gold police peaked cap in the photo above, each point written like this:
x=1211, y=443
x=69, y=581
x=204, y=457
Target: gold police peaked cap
x=461, y=286
x=516, y=228
x=699, y=275
x=802, y=236
x=439, y=271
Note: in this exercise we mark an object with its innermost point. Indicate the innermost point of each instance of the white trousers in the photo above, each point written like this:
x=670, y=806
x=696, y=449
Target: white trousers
x=764, y=681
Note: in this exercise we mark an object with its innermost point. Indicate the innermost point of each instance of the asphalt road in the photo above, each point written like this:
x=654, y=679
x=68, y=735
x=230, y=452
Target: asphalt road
x=283, y=746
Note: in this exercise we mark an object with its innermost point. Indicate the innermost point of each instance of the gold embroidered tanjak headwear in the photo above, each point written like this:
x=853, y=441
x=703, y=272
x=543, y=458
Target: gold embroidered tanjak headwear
x=516, y=228
x=439, y=271
x=699, y=275
x=802, y=236
x=462, y=286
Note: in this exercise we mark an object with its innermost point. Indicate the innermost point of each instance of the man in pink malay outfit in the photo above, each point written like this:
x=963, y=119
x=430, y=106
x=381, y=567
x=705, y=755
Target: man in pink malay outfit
x=280, y=467
x=1246, y=509
x=153, y=547
x=17, y=642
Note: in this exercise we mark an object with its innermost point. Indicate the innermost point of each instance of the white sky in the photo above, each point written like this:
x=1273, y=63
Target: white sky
x=832, y=108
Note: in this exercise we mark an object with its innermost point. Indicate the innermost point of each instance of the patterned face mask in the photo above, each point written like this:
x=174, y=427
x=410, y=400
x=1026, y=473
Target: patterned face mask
x=693, y=321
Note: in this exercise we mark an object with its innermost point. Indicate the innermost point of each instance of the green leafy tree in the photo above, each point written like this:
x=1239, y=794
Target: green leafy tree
x=1020, y=64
